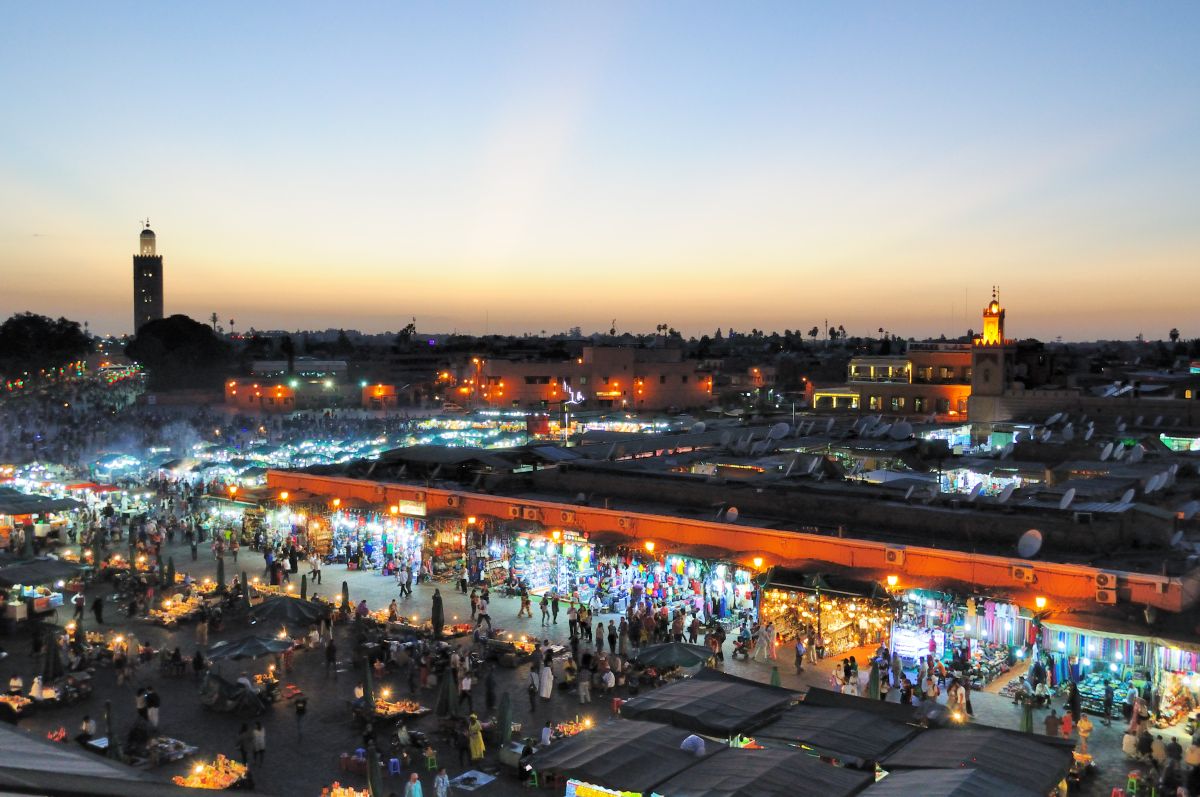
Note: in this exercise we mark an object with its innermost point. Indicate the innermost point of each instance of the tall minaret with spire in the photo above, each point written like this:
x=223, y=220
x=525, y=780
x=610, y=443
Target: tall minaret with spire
x=147, y=280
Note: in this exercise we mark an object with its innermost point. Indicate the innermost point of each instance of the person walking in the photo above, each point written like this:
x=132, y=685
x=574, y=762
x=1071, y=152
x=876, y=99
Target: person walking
x=330, y=657
x=1109, y=695
x=80, y=603
x=612, y=637
x=260, y=743
x=534, y=683
x=413, y=787
x=475, y=738
x=554, y=605
x=464, y=692
x=544, y=604
x=585, y=687
x=441, y=784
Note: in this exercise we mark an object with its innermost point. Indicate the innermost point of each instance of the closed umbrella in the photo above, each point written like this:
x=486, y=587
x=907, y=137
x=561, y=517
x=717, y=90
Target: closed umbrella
x=245, y=592
x=221, y=573
x=170, y=577
x=437, y=617
x=375, y=774
x=345, y=597
x=368, y=685
x=447, y=699
x=873, y=681
x=505, y=718
x=304, y=587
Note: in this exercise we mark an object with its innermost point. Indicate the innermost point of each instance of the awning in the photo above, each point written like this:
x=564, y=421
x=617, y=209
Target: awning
x=844, y=733
x=826, y=583
x=765, y=773
x=1043, y=761
x=36, y=572
x=945, y=783
x=712, y=703
x=1095, y=625
x=13, y=502
x=712, y=553
x=609, y=538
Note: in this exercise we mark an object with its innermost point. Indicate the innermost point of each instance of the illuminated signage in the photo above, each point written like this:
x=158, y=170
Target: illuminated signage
x=412, y=508
x=572, y=396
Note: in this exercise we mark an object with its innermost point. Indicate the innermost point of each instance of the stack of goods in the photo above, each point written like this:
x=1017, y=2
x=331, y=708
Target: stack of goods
x=173, y=611
x=395, y=708
x=570, y=728
x=1091, y=694
x=15, y=703
x=164, y=748
x=338, y=790
x=987, y=664
x=224, y=773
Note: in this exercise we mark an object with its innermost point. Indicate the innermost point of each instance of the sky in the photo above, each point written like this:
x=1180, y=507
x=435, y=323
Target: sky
x=523, y=166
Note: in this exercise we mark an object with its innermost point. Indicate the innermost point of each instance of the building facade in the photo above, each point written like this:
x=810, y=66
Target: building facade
x=600, y=378
x=147, y=280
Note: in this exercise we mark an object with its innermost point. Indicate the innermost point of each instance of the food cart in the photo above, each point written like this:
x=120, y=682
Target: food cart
x=222, y=773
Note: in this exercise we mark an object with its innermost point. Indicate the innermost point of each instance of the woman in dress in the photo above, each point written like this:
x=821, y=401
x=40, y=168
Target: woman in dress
x=475, y=737
x=546, y=682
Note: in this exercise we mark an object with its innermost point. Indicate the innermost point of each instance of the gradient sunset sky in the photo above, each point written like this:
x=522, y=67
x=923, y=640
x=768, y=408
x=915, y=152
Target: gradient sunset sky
x=520, y=166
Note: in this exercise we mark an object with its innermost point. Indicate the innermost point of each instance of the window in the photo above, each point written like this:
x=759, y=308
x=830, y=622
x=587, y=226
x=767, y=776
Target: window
x=897, y=403
x=683, y=379
x=920, y=404
x=967, y=373
x=943, y=406
x=925, y=373
x=962, y=406
x=662, y=379
x=947, y=373
x=875, y=402
x=583, y=380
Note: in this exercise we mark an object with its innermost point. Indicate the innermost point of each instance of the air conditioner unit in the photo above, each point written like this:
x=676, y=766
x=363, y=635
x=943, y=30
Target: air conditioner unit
x=514, y=511
x=453, y=500
x=566, y=516
x=418, y=496
x=1161, y=587
x=1106, y=581
x=532, y=513
x=895, y=556
x=1106, y=596
x=1022, y=574
x=380, y=491
x=625, y=523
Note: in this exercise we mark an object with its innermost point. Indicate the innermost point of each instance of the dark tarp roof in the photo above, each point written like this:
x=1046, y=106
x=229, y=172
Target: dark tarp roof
x=1043, y=762
x=712, y=702
x=13, y=502
x=945, y=783
x=29, y=765
x=626, y=754
x=37, y=571
x=840, y=732
x=894, y=712
x=765, y=773
x=811, y=580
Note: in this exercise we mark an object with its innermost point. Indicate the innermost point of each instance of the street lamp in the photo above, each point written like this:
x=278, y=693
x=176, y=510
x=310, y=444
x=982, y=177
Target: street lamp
x=758, y=563
x=1040, y=601
x=650, y=546
x=893, y=581
x=283, y=495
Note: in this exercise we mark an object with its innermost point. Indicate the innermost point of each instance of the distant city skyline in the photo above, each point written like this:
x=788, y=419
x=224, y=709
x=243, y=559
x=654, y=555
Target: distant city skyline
x=511, y=169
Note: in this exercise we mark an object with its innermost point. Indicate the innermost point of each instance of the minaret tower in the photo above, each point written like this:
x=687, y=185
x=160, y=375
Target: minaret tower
x=993, y=321
x=147, y=280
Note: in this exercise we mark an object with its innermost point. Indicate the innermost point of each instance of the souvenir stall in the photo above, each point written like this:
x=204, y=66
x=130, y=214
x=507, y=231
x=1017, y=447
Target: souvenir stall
x=847, y=613
x=622, y=575
x=982, y=637
x=562, y=560
x=445, y=541
x=1093, y=658
x=1177, y=684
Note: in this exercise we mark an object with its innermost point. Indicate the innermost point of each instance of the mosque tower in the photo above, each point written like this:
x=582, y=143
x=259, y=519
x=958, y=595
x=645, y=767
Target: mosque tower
x=147, y=280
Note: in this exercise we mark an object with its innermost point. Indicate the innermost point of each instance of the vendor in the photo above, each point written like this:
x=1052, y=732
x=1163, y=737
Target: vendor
x=87, y=730
x=16, y=685
x=245, y=681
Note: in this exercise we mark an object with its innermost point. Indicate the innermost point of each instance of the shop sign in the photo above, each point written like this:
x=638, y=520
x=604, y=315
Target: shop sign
x=577, y=788
x=412, y=508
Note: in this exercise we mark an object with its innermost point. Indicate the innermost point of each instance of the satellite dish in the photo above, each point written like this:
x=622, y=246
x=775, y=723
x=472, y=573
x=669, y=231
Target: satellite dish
x=580, y=498
x=697, y=428
x=1053, y=419
x=1046, y=436
x=778, y=431
x=1087, y=435
x=880, y=431
x=1106, y=452
x=1138, y=420
x=726, y=436
x=731, y=514
x=1118, y=452
x=902, y=431
x=1176, y=538
x=1006, y=493
x=1136, y=454
x=1156, y=483
x=1127, y=496
x=975, y=491
x=1067, y=498
x=1029, y=544
x=908, y=493
x=1158, y=420
x=1068, y=433
x=1121, y=427
x=813, y=463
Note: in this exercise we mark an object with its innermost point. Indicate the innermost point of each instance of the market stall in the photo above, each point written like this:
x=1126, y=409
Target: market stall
x=1177, y=684
x=845, y=612
x=221, y=773
x=561, y=561
x=765, y=773
x=36, y=587
x=711, y=703
x=976, y=638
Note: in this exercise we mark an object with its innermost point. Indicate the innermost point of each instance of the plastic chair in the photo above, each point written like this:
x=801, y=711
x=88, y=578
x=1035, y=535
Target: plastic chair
x=1132, y=783
x=533, y=780
x=1117, y=792
x=360, y=752
x=393, y=766
x=431, y=763
x=616, y=705
x=344, y=762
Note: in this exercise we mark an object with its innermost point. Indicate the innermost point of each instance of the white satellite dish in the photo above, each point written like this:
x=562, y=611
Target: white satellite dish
x=1046, y=436
x=975, y=491
x=902, y=431
x=1053, y=419
x=1087, y=434
x=1127, y=496
x=1121, y=427
x=697, y=428
x=1118, y=452
x=778, y=431
x=726, y=437
x=1158, y=420
x=1138, y=420
x=1156, y=483
x=731, y=514
x=813, y=463
x=908, y=493
x=1067, y=498
x=1136, y=454
x=1006, y=493
x=1176, y=538
x=1106, y=452
x=1029, y=544
x=1068, y=433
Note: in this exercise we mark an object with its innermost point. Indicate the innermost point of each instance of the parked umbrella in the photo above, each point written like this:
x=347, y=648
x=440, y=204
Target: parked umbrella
x=873, y=682
x=287, y=611
x=1027, y=715
x=27, y=549
x=220, y=573
x=674, y=654
x=345, y=597
x=368, y=685
x=775, y=679
x=245, y=592
x=447, y=696
x=249, y=647
x=437, y=616
x=505, y=718
x=112, y=750
x=170, y=577
x=304, y=587
x=375, y=774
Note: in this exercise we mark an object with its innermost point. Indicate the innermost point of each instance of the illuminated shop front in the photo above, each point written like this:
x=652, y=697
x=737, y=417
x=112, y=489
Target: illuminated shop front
x=846, y=613
x=562, y=560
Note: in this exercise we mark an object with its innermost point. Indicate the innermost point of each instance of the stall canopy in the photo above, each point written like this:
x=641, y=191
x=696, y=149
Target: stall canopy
x=765, y=773
x=13, y=502
x=843, y=733
x=893, y=712
x=713, y=703
x=813, y=581
x=609, y=537
x=1044, y=761
x=31, y=766
x=945, y=783
x=37, y=571
x=627, y=754
x=289, y=611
